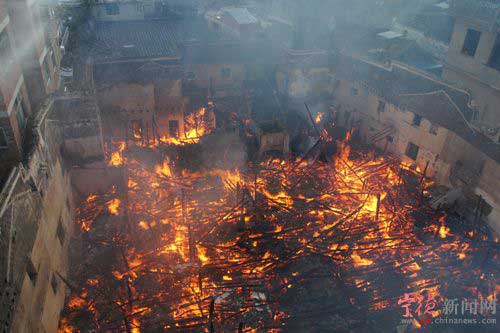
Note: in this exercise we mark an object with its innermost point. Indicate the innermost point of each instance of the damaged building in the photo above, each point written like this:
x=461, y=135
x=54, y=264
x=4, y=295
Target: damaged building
x=208, y=166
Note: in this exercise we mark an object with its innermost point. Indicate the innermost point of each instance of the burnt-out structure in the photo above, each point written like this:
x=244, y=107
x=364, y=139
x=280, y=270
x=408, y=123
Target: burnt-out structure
x=214, y=168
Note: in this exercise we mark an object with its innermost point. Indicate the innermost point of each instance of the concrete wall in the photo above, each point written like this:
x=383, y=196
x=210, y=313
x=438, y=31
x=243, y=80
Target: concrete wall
x=442, y=150
x=206, y=74
x=128, y=97
x=35, y=201
x=364, y=109
x=489, y=189
x=473, y=73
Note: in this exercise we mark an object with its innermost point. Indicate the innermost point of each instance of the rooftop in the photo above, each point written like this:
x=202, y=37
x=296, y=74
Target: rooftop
x=419, y=93
x=134, y=40
x=241, y=15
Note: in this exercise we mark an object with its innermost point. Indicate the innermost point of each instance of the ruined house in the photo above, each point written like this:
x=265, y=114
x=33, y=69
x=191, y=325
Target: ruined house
x=323, y=187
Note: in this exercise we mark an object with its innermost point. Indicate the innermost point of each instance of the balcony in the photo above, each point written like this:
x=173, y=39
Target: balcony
x=485, y=12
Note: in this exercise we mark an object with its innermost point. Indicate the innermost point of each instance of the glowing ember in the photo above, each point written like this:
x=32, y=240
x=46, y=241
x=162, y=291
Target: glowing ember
x=114, y=206
x=116, y=157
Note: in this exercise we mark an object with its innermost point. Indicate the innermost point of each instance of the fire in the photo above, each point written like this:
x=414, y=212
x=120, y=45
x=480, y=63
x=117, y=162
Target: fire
x=114, y=206
x=319, y=117
x=164, y=169
x=116, y=156
x=249, y=237
x=358, y=261
x=443, y=231
x=196, y=125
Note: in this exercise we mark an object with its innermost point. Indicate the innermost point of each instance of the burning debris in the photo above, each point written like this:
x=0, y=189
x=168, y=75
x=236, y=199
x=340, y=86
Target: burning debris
x=283, y=245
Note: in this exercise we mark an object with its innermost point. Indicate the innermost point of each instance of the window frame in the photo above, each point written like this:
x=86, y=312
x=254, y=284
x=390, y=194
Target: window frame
x=470, y=37
x=6, y=54
x=495, y=54
x=60, y=232
x=433, y=129
x=381, y=106
x=171, y=132
x=417, y=120
x=3, y=134
x=54, y=283
x=31, y=271
x=410, y=148
x=112, y=9
x=225, y=72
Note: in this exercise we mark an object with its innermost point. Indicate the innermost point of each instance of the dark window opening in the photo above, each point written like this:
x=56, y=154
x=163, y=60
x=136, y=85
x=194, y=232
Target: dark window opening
x=54, y=283
x=354, y=92
x=112, y=9
x=471, y=42
x=173, y=128
x=494, y=61
x=137, y=129
x=225, y=72
x=5, y=51
x=3, y=139
x=412, y=151
x=46, y=70
x=53, y=58
x=60, y=232
x=381, y=106
x=31, y=270
x=417, y=120
x=434, y=129
x=19, y=107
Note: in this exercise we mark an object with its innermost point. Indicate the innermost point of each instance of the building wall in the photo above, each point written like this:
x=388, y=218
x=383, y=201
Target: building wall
x=362, y=106
x=489, y=188
x=39, y=304
x=35, y=203
x=32, y=49
x=128, y=10
x=128, y=97
x=216, y=76
x=12, y=85
x=473, y=73
x=442, y=150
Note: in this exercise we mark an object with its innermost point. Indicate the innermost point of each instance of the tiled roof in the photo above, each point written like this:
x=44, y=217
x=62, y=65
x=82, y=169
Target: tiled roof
x=135, y=40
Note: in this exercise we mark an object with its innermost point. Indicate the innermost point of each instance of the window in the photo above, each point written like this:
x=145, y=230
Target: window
x=5, y=51
x=381, y=106
x=3, y=139
x=354, y=92
x=412, y=151
x=46, y=71
x=53, y=58
x=173, y=128
x=112, y=9
x=137, y=129
x=225, y=72
x=19, y=107
x=471, y=42
x=417, y=119
x=31, y=270
x=54, y=283
x=60, y=232
x=494, y=61
x=434, y=129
